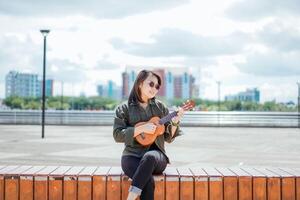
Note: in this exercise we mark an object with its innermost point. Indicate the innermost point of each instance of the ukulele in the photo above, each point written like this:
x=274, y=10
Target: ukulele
x=146, y=139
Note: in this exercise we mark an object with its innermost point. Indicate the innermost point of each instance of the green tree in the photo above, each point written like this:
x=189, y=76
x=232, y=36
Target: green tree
x=249, y=106
x=269, y=106
x=233, y=105
x=17, y=102
x=33, y=105
x=101, y=103
x=54, y=105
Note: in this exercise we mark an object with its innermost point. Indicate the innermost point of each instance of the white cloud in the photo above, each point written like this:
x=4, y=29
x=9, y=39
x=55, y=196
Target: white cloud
x=95, y=8
x=280, y=36
x=257, y=9
x=272, y=64
x=18, y=54
x=176, y=42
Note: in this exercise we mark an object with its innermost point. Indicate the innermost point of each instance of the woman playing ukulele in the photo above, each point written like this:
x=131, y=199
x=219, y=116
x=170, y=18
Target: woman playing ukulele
x=138, y=161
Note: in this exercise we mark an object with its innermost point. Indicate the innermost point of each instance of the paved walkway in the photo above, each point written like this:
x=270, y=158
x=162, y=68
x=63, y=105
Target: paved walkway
x=213, y=147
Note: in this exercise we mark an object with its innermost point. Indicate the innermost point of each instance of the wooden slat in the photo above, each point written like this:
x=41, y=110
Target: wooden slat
x=159, y=192
x=45, y=171
x=11, y=186
x=11, y=180
x=288, y=182
x=3, y=171
x=230, y=184
x=85, y=183
x=41, y=182
x=17, y=171
x=186, y=183
x=244, y=184
x=56, y=183
x=259, y=184
x=1, y=184
x=6, y=169
x=87, y=171
x=70, y=183
x=296, y=173
x=99, y=183
x=215, y=184
x=114, y=183
x=172, y=183
x=59, y=172
x=273, y=184
x=2, y=166
x=1, y=188
x=26, y=182
x=201, y=183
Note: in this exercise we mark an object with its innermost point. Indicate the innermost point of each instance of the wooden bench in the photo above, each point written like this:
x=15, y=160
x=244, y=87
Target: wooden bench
x=110, y=183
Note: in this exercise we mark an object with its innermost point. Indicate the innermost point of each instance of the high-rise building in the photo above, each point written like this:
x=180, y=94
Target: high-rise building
x=21, y=84
x=169, y=85
x=194, y=92
x=25, y=85
x=110, y=90
x=100, y=90
x=111, y=87
x=177, y=87
x=176, y=82
x=48, y=89
x=186, y=86
x=125, y=85
x=252, y=95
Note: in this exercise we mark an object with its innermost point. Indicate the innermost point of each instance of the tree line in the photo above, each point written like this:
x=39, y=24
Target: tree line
x=103, y=103
x=61, y=103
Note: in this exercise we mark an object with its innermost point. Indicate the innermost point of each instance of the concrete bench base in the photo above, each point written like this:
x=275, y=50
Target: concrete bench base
x=110, y=183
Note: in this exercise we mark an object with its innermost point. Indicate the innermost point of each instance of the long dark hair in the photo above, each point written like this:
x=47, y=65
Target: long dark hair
x=135, y=94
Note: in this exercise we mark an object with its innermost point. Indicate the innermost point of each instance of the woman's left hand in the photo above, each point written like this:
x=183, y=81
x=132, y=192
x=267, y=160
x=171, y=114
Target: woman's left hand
x=180, y=113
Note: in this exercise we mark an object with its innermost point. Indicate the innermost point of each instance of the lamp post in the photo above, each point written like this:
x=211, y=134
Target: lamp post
x=62, y=96
x=219, y=83
x=62, y=103
x=298, y=83
x=44, y=33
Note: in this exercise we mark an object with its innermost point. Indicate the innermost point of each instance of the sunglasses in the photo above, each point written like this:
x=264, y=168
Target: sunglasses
x=152, y=84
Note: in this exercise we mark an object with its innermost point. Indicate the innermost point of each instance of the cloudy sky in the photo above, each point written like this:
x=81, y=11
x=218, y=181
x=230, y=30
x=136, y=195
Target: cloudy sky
x=243, y=44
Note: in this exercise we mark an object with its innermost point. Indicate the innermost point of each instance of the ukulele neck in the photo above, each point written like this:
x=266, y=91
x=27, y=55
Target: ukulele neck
x=167, y=118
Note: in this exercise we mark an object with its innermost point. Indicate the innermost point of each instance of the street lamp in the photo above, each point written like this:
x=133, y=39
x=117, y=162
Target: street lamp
x=298, y=83
x=219, y=83
x=62, y=96
x=44, y=33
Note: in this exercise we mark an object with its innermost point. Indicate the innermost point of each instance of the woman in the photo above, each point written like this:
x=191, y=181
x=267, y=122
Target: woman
x=139, y=162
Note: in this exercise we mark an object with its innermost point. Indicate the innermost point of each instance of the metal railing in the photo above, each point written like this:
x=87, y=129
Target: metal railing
x=192, y=118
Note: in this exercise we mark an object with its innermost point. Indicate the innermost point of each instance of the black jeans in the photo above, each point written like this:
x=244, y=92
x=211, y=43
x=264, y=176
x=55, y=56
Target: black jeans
x=140, y=170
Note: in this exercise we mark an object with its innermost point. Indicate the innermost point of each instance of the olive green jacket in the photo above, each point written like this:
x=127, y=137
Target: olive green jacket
x=129, y=114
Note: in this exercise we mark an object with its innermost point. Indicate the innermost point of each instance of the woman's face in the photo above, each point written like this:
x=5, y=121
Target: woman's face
x=149, y=87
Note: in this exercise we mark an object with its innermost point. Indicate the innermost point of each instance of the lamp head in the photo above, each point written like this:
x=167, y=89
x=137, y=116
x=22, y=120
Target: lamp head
x=45, y=32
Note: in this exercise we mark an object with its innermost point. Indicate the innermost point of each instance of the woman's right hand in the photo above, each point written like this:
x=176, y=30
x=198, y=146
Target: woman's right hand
x=145, y=128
